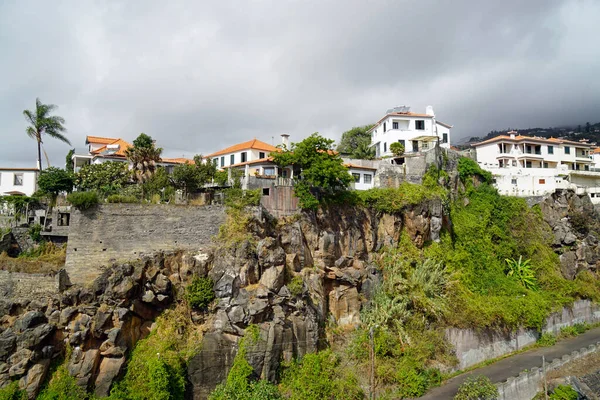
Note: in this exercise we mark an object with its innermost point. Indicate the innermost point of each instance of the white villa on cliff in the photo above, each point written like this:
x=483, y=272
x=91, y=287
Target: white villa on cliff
x=416, y=132
x=535, y=166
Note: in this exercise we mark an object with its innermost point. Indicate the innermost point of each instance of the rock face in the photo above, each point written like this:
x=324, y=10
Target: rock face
x=100, y=323
x=571, y=217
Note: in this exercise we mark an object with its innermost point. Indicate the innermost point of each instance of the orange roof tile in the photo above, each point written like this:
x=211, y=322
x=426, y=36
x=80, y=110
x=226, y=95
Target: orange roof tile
x=596, y=151
x=123, y=145
x=251, y=144
x=98, y=140
x=179, y=160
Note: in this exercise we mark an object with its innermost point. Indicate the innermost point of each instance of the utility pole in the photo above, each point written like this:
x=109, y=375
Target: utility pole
x=372, y=354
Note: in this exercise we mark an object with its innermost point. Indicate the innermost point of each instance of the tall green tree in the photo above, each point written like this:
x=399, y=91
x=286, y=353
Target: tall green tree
x=323, y=172
x=144, y=156
x=356, y=142
x=69, y=161
x=54, y=180
x=190, y=177
x=42, y=123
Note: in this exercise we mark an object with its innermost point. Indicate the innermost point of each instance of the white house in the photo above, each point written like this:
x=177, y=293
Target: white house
x=18, y=181
x=102, y=149
x=533, y=166
x=416, y=132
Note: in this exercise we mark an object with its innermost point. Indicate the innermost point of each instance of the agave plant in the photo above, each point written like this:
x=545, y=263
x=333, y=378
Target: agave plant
x=522, y=271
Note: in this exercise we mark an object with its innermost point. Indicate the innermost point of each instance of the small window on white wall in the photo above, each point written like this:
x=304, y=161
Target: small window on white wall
x=367, y=178
x=18, y=181
x=356, y=177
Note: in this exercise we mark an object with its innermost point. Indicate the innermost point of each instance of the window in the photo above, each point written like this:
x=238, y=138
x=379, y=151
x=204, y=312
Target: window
x=528, y=149
x=538, y=149
x=394, y=125
x=265, y=191
x=545, y=165
x=587, y=167
x=216, y=162
x=232, y=159
x=445, y=138
x=542, y=181
x=222, y=161
x=420, y=124
x=384, y=127
x=513, y=181
x=567, y=150
x=244, y=157
x=356, y=177
x=550, y=149
x=367, y=178
x=261, y=155
x=527, y=164
x=384, y=147
x=269, y=171
x=18, y=181
x=403, y=143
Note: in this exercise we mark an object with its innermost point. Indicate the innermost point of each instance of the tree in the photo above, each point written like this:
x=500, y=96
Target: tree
x=106, y=178
x=191, y=177
x=42, y=123
x=323, y=170
x=397, y=149
x=143, y=156
x=356, y=143
x=54, y=180
x=69, y=161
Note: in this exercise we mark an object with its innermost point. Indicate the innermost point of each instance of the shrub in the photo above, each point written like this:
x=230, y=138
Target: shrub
x=564, y=392
x=238, y=198
x=12, y=392
x=121, y=198
x=397, y=149
x=392, y=200
x=468, y=168
x=296, y=285
x=63, y=386
x=478, y=388
x=546, y=340
x=200, y=293
x=83, y=200
x=35, y=232
x=568, y=331
x=317, y=376
x=522, y=272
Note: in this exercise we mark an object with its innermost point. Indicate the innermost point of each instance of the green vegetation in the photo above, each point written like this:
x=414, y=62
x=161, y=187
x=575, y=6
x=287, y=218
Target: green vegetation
x=319, y=376
x=564, y=392
x=63, y=386
x=239, y=384
x=143, y=156
x=156, y=369
x=296, y=285
x=468, y=169
x=12, y=392
x=392, y=200
x=43, y=124
x=478, y=388
x=83, y=200
x=546, y=340
x=35, y=232
x=121, y=198
x=324, y=176
x=200, y=293
x=397, y=149
x=356, y=143
x=522, y=272
x=105, y=178
x=54, y=180
x=190, y=177
x=235, y=229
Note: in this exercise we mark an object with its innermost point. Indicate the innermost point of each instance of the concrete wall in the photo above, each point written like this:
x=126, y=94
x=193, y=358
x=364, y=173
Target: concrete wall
x=529, y=383
x=473, y=347
x=280, y=201
x=122, y=232
x=15, y=285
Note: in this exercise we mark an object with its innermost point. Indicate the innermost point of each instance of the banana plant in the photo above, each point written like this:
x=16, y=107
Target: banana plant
x=522, y=271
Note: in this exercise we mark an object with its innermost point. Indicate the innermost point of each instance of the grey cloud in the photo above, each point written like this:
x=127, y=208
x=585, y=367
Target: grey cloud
x=199, y=76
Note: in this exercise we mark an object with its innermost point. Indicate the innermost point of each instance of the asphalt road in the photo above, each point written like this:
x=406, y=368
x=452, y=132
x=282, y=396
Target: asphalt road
x=512, y=366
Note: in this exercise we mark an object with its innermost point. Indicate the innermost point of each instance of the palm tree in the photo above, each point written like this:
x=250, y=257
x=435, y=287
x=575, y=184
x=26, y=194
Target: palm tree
x=143, y=156
x=43, y=123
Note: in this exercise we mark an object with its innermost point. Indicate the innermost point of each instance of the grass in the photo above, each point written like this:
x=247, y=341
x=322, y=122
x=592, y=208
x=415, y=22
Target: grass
x=46, y=258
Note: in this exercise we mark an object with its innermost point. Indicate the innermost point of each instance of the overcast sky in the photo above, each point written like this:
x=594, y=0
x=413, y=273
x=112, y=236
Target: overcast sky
x=201, y=75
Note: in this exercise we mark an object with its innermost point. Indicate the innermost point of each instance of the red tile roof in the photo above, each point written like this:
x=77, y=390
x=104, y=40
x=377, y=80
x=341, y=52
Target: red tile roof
x=98, y=140
x=180, y=160
x=123, y=145
x=254, y=144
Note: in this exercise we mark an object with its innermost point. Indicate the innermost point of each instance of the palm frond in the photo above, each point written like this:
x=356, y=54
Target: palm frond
x=56, y=135
x=29, y=117
x=31, y=132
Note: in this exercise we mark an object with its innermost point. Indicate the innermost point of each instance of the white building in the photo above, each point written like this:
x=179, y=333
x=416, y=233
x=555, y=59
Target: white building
x=18, y=181
x=416, y=132
x=102, y=149
x=535, y=166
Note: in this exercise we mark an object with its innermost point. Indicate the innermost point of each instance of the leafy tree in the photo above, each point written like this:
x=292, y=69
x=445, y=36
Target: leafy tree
x=190, y=177
x=106, y=178
x=42, y=123
x=69, y=161
x=144, y=156
x=323, y=171
x=54, y=180
x=355, y=143
x=397, y=149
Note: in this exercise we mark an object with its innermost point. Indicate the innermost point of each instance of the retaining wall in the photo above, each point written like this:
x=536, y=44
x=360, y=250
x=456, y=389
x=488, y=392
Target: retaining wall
x=16, y=285
x=529, y=383
x=472, y=346
x=122, y=232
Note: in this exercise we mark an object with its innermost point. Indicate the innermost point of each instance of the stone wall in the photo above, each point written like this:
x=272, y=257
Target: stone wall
x=16, y=285
x=121, y=232
x=473, y=347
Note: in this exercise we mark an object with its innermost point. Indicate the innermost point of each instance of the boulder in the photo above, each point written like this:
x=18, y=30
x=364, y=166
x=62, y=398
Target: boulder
x=36, y=375
x=272, y=278
x=109, y=370
x=29, y=320
x=344, y=305
x=269, y=253
x=83, y=365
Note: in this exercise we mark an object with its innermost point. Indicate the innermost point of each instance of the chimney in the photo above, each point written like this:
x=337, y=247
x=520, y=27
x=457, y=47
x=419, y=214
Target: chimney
x=285, y=139
x=429, y=111
x=512, y=134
